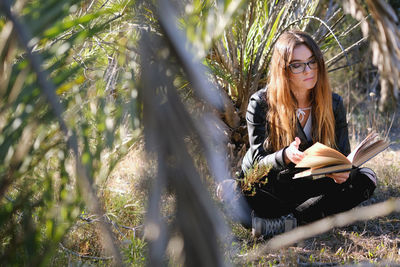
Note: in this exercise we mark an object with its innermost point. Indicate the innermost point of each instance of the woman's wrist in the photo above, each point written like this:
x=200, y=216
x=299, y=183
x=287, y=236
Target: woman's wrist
x=285, y=157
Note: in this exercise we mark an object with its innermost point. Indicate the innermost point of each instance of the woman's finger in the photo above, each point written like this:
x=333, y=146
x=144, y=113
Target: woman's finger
x=297, y=142
x=339, y=178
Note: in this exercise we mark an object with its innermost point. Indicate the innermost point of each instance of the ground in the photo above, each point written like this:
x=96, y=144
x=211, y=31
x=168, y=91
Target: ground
x=376, y=241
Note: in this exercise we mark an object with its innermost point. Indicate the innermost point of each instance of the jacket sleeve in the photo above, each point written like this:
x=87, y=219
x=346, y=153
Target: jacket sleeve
x=341, y=127
x=256, y=127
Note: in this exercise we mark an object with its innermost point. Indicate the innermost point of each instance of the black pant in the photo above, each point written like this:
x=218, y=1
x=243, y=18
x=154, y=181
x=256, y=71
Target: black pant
x=307, y=199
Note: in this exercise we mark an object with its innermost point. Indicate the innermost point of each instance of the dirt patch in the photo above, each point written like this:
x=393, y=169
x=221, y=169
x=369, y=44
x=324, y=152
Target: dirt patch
x=132, y=173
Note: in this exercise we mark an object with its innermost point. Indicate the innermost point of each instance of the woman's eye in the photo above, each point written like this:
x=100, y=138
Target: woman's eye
x=313, y=61
x=296, y=65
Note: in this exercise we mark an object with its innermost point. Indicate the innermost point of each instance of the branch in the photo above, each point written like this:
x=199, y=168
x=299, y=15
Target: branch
x=323, y=23
x=339, y=56
x=345, y=66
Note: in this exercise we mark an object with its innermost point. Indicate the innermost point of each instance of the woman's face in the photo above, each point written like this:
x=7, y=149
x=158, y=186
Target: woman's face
x=303, y=69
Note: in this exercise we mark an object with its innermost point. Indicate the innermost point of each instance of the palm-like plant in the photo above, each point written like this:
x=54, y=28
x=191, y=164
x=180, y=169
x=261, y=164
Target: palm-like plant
x=239, y=59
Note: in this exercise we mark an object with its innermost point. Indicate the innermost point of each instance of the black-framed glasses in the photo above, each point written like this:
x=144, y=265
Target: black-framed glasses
x=299, y=67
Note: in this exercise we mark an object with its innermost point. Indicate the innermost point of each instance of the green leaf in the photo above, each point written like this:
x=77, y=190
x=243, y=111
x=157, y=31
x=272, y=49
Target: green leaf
x=63, y=26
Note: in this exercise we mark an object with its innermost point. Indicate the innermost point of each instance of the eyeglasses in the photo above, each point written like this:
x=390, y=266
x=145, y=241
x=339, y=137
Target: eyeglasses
x=299, y=67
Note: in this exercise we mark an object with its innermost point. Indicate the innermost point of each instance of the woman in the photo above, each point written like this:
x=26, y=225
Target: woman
x=296, y=110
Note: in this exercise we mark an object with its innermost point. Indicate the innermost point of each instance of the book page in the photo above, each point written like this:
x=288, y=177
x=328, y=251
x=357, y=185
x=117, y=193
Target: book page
x=321, y=155
x=323, y=159
x=364, y=143
x=367, y=149
x=369, y=152
x=319, y=161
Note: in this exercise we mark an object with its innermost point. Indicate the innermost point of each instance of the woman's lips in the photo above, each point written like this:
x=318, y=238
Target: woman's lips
x=308, y=79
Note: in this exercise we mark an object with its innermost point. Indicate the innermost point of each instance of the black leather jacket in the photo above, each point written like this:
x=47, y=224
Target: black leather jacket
x=256, y=127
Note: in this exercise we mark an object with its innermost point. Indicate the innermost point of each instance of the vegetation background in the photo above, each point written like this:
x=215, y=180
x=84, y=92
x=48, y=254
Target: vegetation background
x=118, y=118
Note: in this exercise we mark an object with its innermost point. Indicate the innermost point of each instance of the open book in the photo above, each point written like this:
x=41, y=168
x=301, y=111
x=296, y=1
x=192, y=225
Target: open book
x=321, y=159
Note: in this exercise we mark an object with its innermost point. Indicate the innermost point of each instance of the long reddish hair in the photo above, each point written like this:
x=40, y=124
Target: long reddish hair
x=282, y=103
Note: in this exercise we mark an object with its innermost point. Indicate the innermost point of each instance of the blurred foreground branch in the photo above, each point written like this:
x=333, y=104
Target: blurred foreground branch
x=192, y=237
x=326, y=224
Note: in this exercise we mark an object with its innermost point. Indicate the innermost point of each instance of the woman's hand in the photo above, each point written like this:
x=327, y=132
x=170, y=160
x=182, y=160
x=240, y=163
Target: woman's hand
x=292, y=153
x=339, y=177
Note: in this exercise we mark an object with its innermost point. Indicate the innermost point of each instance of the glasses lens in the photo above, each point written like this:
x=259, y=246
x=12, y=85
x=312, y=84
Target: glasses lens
x=297, y=67
x=313, y=64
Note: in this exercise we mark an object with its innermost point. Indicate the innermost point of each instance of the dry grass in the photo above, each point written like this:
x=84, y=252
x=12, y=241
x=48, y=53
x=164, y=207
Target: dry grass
x=256, y=175
x=133, y=173
x=374, y=242
x=124, y=196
